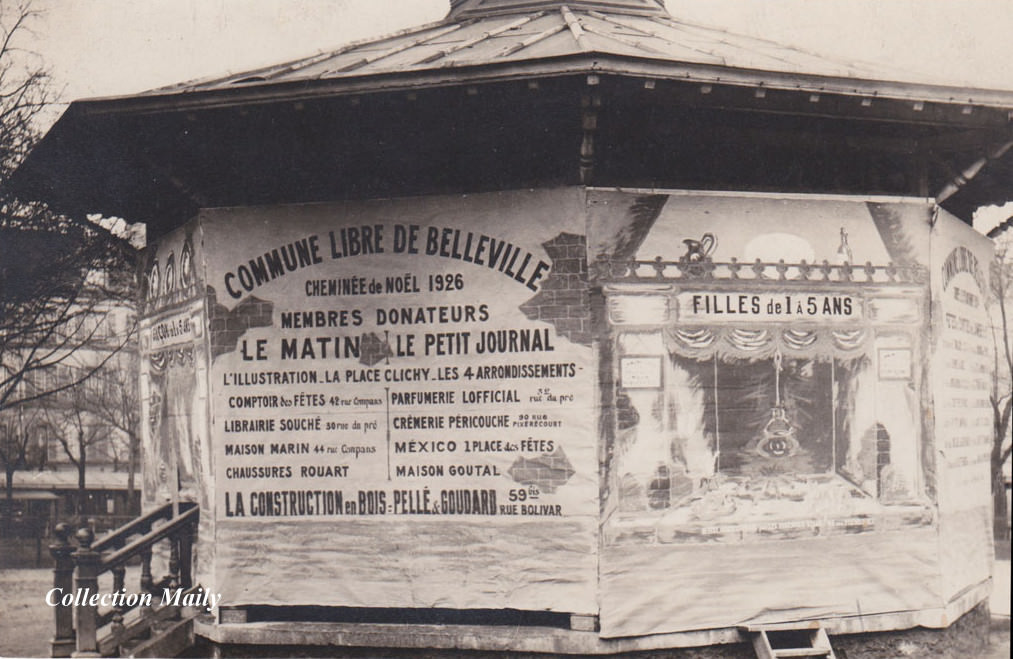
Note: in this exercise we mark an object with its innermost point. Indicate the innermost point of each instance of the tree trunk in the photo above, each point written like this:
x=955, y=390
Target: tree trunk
x=1001, y=530
x=81, y=463
x=1001, y=420
x=5, y=519
x=134, y=442
x=9, y=470
x=1000, y=526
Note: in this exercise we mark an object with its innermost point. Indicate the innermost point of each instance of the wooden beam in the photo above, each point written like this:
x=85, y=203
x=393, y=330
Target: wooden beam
x=590, y=103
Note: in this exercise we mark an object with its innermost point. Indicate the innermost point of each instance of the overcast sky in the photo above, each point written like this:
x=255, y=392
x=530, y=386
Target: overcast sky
x=113, y=47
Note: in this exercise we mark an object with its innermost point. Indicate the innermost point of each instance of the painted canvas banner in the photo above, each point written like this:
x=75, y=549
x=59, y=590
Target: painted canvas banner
x=176, y=449
x=403, y=403
x=775, y=453
x=962, y=379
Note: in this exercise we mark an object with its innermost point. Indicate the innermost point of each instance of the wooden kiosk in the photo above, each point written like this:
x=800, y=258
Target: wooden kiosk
x=560, y=327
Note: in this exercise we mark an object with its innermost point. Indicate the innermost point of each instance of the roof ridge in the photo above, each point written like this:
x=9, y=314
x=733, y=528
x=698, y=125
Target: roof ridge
x=446, y=28
x=533, y=39
x=576, y=29
x=488, y=34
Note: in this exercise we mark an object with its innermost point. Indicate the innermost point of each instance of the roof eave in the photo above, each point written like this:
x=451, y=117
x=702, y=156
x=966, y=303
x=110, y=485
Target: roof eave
x=43, y=174
x=572, y=64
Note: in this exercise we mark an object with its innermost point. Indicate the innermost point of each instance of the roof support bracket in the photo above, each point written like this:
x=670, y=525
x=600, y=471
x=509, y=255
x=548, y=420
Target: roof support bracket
x=961, y=179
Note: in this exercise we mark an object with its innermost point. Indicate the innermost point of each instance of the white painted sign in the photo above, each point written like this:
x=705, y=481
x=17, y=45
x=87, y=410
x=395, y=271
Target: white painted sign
x=752, y=306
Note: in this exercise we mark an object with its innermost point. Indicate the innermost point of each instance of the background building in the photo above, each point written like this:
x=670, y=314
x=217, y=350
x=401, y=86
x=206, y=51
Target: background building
x=74, y=434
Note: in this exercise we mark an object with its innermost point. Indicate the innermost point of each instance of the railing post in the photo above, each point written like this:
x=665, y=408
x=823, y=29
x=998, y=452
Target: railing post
x=186, y=537
x=63, y=642
x=173, y=576
x=147, y=582
x=85, y=585
x=119, y=575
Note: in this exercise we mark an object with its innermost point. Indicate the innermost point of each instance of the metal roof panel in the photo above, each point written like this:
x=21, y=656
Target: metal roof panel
x=483, y=32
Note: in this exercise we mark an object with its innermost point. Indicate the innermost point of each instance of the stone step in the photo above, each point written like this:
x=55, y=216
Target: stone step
x=170, y=641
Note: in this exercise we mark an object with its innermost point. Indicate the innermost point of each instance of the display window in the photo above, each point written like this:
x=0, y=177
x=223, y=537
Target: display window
x=771, y=428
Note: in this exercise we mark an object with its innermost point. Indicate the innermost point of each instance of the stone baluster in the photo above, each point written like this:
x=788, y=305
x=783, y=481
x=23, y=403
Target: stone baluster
x=173, y=576
x=119, y=577
x=88, y=564
x=63, y=643
x=186, y=539
x=147, y=582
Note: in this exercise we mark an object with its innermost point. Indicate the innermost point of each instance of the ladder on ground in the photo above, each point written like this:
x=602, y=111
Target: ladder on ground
x=791, y=640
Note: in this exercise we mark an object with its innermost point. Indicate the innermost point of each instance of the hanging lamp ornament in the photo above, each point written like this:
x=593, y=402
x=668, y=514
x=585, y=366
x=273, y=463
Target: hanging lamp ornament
x=778, y=437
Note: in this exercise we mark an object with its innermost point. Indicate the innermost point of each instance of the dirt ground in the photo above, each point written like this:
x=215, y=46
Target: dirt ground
x=26, y=622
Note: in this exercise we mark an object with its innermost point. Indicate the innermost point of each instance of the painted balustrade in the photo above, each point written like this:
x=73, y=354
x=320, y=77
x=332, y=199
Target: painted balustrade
x=665, y=270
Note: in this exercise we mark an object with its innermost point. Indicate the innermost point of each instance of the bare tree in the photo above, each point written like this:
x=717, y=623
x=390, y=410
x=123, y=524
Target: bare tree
x=1002, y=383
x=77, y=432
x=21, y=445
x=55, y=272
x=114, y=403
x=24, y=86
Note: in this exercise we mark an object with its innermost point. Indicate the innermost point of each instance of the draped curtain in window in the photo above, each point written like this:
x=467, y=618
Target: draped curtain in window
x=729, y=343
